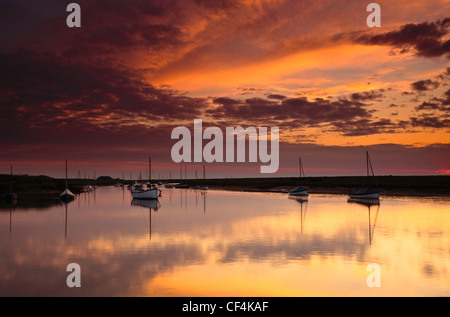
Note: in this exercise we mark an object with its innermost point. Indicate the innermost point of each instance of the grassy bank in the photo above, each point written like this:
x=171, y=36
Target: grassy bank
x=387, y=185
x=45, y=188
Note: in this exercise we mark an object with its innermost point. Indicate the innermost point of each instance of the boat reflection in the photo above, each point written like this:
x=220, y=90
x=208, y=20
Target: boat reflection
x=150, y=204
x=302, y=200
x=368, y=203
x=9, y=205
x=65, y=203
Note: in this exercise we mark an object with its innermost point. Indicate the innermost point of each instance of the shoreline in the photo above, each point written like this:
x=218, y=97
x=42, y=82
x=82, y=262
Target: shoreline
x=417, y=186
x=40, y=188
x=328, y=191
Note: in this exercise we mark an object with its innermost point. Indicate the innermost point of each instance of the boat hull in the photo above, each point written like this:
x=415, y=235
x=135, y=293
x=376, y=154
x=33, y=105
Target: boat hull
x=302, y=193
x=365, y=196
x=9, y=198
x=152, y=193
x=365, y=201
x=67, y=196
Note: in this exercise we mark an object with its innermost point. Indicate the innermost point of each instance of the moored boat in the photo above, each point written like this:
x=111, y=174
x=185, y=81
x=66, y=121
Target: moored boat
x=66, y=195
x=152, y=193
x=10, y=197
x=299, y=191
x=366, y=193
x=146, y=192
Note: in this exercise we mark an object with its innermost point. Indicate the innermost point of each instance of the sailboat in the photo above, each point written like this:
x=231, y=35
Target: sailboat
x=66, y=195
x=299, y=191
x=367, y=192
x=147, y=193
x=10, y=197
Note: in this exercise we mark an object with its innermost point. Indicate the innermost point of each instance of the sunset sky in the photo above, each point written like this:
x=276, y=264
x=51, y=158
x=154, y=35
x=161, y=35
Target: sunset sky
x=107, y=95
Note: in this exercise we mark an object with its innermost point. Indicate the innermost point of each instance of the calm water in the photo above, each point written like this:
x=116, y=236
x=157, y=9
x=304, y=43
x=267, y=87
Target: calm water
x=222, y=243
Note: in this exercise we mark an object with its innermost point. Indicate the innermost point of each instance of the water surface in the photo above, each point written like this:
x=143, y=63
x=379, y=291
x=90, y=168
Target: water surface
x=219, y=243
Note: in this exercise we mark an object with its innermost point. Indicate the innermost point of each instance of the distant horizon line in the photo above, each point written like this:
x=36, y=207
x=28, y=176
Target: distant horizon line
x=228, y=177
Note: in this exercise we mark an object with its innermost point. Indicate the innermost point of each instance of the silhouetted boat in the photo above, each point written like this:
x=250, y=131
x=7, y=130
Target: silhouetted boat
x=10, y=198
x=366, y=192
x=66, y=195
x=299, y=191
x=364, y=201
x=200, y=187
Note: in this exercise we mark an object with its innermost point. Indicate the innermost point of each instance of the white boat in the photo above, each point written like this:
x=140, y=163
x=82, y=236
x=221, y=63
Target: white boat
x=366, y=193
x=147, y=192
x=87, y=188
x=152, y=193
x=66, y=195
x=299, y=191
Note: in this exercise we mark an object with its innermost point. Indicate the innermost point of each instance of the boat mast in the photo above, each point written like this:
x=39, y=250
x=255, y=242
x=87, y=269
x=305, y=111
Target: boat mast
x=11, y=181
x=369, y=163
x=300, y=167
x=150, y=170
x=66, y=174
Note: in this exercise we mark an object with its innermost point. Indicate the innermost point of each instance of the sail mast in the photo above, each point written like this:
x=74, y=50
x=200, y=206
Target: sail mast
x=369, y=163
x=11, y=181
x=150, y=170
x=300, y=167
x=66, y=174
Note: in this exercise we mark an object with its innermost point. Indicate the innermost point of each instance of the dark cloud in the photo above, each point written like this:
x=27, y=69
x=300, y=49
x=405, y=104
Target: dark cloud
x=367, y=95
x=428, y=121
x=41, y=93
x=428, y=39
x=301, y=110
x=433, y=114
x=276, y=97
x=368, y=127
x=349, y=117
x=424, y=85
